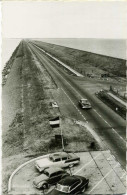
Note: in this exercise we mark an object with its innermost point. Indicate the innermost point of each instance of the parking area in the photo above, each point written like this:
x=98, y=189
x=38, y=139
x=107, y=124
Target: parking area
x=105, y=175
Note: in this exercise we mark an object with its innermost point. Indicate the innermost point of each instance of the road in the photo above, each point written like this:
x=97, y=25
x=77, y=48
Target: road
x=107, y=124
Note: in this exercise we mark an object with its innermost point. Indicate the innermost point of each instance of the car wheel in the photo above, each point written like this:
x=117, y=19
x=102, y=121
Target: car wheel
x=71, y=165
x=84, y=189
x=45, y=186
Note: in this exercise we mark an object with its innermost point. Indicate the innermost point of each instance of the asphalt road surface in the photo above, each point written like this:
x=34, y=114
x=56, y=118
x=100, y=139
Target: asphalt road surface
x=108, y=125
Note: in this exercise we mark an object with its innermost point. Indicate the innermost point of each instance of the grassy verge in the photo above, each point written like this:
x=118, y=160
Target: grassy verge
x=18, y=52
x=86, y=62
x=29, y=134
x=112, y=103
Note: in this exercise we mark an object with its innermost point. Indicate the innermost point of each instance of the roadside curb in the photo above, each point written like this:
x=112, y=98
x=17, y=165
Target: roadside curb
x=66, y=66
x=21, y=166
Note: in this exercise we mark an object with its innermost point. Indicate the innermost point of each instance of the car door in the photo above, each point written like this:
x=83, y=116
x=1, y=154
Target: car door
x=55, y=177
x=76, y=187
x=63, y=160
x=57, y=162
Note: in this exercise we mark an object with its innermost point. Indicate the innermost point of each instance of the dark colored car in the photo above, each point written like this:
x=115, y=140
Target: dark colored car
x=50, y=176
x=70, y=185
x=85, y=104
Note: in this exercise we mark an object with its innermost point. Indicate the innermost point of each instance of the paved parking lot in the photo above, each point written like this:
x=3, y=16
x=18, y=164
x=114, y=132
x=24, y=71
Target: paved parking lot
x=105, y=174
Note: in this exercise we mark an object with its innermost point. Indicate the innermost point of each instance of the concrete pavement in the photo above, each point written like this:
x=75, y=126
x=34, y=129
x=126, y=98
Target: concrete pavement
x=104, y=173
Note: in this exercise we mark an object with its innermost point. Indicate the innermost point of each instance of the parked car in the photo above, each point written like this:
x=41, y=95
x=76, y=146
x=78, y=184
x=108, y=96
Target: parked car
x=49, y=177
x=84, y=103
x=59, y=159
x=70, y=185
x=54, y=104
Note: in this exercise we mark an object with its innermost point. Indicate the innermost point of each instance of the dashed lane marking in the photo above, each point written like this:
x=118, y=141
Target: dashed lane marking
x=73, y=104
x=86, y=164
x=103, y=178
x=82, y=97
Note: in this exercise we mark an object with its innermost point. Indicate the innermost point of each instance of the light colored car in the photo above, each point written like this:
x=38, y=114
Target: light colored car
x=54, y=104
x=84, y=103
x=59, y=159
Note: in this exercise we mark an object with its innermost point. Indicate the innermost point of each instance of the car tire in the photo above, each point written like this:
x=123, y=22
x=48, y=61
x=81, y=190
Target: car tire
x=72, y=165
x=45, y=186
x=84, y=189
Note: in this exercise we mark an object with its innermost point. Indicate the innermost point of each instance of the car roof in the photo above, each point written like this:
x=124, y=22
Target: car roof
x=39, y=178
x=69, y=180
x=59, y=155
x=53, y=170
x=83, y=99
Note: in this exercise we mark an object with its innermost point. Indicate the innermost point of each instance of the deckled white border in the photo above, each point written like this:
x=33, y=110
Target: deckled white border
x=0, y=97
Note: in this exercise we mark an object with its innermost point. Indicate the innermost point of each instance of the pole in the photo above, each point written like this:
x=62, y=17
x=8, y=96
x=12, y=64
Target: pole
x=62, y=137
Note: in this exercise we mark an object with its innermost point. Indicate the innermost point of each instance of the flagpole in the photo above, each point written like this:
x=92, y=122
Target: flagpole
x=62, y=137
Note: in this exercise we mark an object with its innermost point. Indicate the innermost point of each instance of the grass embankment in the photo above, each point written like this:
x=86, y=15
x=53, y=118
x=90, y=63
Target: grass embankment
x=86, y=62
x=18, y=52
x=29, y=133
x=11, y=120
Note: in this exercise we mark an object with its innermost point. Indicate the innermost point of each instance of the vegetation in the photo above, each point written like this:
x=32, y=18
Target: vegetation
x=86, y=62
x=29, y=133
x=112, y=103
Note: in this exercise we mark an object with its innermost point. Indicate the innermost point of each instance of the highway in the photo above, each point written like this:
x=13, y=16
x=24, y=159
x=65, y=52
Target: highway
x=110, y=127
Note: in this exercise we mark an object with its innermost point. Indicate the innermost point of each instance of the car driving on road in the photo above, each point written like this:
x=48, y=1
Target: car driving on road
x=85, y=104
x=59, y=159
x=70, y=185
x=50, y=176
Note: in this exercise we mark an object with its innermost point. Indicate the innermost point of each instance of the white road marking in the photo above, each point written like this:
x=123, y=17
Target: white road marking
x=81, y=98
x=73, y=104
x=123, y=174
x=104, y=177
x=86, y=164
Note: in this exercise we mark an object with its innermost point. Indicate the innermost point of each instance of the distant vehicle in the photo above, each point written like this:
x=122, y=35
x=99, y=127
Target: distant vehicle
x=54, y=104
x=70, y=185
x=49, y=177
x=85, y=104
x=59, y=159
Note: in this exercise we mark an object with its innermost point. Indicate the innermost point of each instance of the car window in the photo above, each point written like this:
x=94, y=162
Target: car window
x=69, y=156
x=46, y=173
x=62, y=188
x=57, y=160
x=64, y=158
x=54, y=174
x=59, y=172
x=51, y=158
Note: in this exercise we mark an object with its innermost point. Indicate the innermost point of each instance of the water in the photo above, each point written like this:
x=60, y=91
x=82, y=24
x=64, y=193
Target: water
x=109, y=47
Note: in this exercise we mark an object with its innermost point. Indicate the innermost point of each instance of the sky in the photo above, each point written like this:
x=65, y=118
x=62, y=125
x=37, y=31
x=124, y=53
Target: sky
x=53, y=19
x=99, y=21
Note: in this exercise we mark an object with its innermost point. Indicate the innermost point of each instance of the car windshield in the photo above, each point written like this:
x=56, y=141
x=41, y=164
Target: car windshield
x=84, y=101
x=63, y=188
x=46, y=173
x=51, y=158
x=69, y=156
